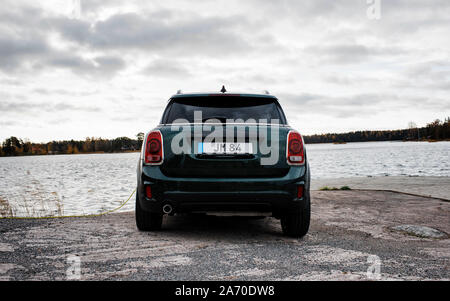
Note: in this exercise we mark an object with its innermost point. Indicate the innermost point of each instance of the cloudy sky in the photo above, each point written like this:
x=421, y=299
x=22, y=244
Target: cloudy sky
x=107, y=68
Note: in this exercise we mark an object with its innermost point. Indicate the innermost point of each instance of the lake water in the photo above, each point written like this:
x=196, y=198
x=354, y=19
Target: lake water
x=363, y=159
x=93, y=183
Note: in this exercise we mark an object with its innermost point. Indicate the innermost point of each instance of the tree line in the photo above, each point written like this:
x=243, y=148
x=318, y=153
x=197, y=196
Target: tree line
x=436, y=130
x=17, y=147
x=433, y=131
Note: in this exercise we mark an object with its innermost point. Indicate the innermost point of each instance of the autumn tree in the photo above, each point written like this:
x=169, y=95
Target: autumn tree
x=12, y=146
x=140, y=138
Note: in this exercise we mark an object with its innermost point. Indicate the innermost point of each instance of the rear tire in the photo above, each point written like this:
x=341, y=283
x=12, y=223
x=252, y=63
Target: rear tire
x=296, y=224
x=147, y=221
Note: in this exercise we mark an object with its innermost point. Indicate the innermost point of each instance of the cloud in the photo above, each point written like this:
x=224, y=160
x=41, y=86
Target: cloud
x=322, y=58
x=18, y=54
x=196, y=35
x=353, y=105
x=350, y=53
x=16, y=51
x=431, y=75
x=7, y=123
x=63, y=92
x=25, y=46
x=301, y=99
x=166, y=68
x=11, y=82
x=7, y=107
x=103, y=65
x=28, y=46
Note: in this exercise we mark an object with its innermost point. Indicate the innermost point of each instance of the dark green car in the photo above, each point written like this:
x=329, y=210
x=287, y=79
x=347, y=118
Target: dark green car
x=224, y=153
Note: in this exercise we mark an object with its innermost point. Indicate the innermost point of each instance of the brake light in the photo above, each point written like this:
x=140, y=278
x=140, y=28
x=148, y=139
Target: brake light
x=221, y=94
x=295, y=151
x=154, y=148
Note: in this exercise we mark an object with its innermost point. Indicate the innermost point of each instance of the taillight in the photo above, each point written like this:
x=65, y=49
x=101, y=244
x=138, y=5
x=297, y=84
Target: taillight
x=154, y=148
x=295, y=151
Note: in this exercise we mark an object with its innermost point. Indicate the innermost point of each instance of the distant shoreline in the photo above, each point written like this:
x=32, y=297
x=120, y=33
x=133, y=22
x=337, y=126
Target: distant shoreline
x=435, y=131
x=138, y=150
x=80, y=153
x=346, y=142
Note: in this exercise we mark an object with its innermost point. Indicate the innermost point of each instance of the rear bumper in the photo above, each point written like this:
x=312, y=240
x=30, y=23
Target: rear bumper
x=274, y=195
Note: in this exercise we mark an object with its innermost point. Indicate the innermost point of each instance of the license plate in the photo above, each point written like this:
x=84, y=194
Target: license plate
x=225, y=148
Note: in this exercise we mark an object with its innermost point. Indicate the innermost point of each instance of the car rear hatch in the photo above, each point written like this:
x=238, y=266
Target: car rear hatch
x=233, y=136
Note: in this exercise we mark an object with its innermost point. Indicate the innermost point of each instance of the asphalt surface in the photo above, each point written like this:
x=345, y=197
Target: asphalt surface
x=347, y=229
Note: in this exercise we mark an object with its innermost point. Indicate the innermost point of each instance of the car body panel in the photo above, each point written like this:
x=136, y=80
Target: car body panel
x=192, y=183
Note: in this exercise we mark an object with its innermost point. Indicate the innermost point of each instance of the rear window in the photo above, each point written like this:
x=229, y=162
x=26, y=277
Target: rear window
x=222, y=108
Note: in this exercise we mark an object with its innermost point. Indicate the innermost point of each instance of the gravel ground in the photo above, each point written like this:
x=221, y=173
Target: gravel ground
x=348, y=228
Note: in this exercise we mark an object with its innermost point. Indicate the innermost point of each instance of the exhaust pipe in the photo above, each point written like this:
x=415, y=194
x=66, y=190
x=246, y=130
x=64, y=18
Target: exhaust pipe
x=167, y=209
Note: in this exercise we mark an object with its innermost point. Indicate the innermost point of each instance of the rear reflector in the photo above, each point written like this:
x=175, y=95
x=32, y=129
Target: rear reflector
x=296, y=158
x=299, y=191
x=148, y=191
